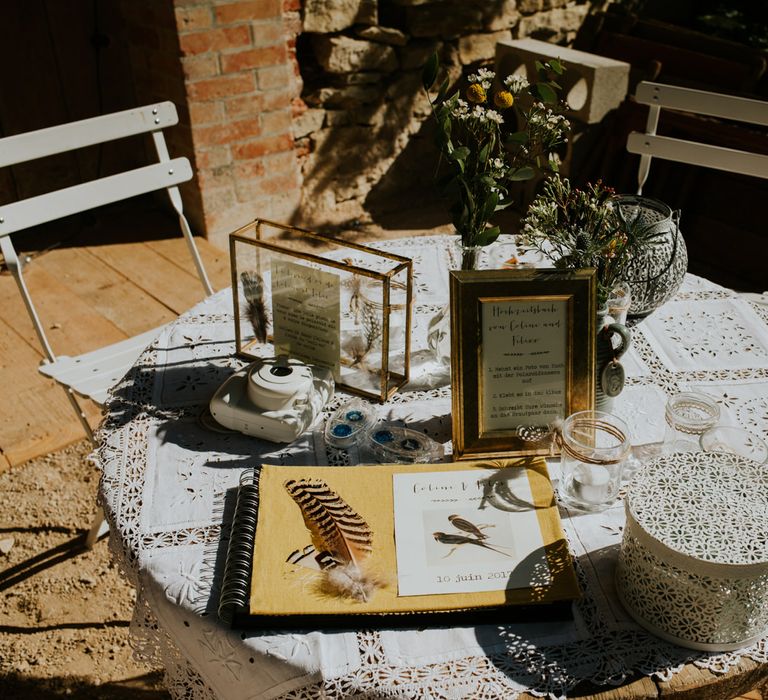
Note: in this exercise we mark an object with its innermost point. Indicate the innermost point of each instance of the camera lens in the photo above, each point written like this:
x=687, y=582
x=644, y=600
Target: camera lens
x=281, y=371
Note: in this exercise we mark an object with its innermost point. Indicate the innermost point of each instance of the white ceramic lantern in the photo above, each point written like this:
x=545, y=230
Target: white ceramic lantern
x=693, y=567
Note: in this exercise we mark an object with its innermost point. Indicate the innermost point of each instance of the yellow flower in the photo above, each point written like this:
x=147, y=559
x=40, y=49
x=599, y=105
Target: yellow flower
x=475, y=93
x=611, y=249
x=503, y=99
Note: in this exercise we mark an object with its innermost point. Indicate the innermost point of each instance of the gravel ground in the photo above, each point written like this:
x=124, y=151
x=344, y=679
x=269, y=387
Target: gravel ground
x=64, y=612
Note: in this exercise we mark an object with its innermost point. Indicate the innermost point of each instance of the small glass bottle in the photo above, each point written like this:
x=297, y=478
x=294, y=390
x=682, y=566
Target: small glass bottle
x=689, y=415
x=619, y=301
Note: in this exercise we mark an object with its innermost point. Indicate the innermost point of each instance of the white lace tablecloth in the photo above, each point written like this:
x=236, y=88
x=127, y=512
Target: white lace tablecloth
x=168, y=485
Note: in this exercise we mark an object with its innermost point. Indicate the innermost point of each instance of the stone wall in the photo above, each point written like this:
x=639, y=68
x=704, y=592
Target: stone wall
x=359, y=131
x=312, y=111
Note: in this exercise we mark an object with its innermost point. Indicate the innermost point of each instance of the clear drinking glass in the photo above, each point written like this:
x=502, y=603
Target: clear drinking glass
x=735, y=440
x=594, y=447
x=689, y=415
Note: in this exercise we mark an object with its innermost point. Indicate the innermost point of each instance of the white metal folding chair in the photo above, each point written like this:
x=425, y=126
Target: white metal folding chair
x=700, y=102
x=93, y=374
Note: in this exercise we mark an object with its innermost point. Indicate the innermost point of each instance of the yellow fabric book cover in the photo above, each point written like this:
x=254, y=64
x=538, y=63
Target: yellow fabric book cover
x=385, y=539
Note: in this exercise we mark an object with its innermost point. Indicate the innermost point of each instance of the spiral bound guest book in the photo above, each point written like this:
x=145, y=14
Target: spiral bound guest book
x=396, y=545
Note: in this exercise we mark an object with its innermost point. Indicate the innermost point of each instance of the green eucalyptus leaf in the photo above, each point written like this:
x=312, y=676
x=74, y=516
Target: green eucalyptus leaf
x=487, y=180
x=429, y=72
x=489, y=206
x=459, y=216
x=540, y=66
x=546, y=93
x=488, y=236
x=525, y=173
x=442, y=90
x=468, y=197
x=556, y=67
x=483, y=155
x=471, y=206
x=461, y=153
x=445, y=127
x=504, y=205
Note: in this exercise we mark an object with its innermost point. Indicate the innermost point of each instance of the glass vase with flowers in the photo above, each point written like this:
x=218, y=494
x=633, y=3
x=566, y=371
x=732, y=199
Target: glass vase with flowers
x=489, y=135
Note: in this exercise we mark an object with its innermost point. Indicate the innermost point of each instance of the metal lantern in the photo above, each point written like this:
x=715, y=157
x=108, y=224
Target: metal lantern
x=655, y=274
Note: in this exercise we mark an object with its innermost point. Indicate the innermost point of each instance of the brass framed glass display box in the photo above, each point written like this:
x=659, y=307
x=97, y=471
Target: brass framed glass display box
x=522, y=357
x=324, y=301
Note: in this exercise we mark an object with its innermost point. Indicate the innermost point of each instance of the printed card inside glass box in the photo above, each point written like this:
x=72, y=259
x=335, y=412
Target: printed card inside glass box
x=324, y=301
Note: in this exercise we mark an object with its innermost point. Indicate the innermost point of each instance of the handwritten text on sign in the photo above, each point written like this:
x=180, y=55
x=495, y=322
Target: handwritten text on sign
x=306, y=308
x=523, y=362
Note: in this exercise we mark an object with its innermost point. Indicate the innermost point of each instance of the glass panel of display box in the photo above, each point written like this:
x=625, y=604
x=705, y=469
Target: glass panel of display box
x=324, y=301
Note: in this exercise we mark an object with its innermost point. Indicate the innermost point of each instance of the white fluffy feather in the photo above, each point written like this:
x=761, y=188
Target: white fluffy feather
x=349, y=581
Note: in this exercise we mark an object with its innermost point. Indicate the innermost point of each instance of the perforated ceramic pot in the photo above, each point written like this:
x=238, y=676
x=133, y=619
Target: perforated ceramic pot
x=693, y=566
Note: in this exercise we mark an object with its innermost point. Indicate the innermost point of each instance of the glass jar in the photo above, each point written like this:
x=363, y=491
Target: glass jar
x=734, y=440
x=594, y=447
x=689, y=415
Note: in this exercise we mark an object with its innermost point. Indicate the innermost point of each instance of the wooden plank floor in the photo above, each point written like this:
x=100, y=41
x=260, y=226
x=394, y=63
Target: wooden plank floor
x=127, y=271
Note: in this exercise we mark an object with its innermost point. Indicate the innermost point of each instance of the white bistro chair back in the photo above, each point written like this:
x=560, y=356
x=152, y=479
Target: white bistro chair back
x=93, y=374
x=703, y=103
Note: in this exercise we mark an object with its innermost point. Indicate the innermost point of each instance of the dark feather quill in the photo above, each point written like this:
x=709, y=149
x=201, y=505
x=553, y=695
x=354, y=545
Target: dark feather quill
x=341, y=536
x=255, y=310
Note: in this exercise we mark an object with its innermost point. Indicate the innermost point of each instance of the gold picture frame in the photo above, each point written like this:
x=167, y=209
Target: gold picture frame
x=325, y=301
x=522, y=356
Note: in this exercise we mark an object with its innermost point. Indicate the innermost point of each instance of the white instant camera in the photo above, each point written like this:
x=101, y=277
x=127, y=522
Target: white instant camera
x=274, y=399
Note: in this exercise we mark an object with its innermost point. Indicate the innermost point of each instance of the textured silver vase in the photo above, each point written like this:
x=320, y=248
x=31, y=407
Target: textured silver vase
x=658, y=271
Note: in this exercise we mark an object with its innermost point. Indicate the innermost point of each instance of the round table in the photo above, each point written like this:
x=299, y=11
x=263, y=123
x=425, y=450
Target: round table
x=168, y=486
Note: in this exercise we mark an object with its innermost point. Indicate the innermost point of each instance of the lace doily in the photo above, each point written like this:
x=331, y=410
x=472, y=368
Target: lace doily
x=168, y=488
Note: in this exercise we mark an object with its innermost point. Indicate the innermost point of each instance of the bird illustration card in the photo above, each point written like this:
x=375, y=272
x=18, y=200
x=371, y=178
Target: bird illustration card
x=467, y=531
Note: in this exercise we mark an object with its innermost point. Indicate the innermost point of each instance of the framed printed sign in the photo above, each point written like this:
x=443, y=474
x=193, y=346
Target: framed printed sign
x=523, y=357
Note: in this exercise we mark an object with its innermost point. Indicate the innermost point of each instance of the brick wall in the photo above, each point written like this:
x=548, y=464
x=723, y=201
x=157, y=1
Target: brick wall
x=230, y=68
x=238, y=64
